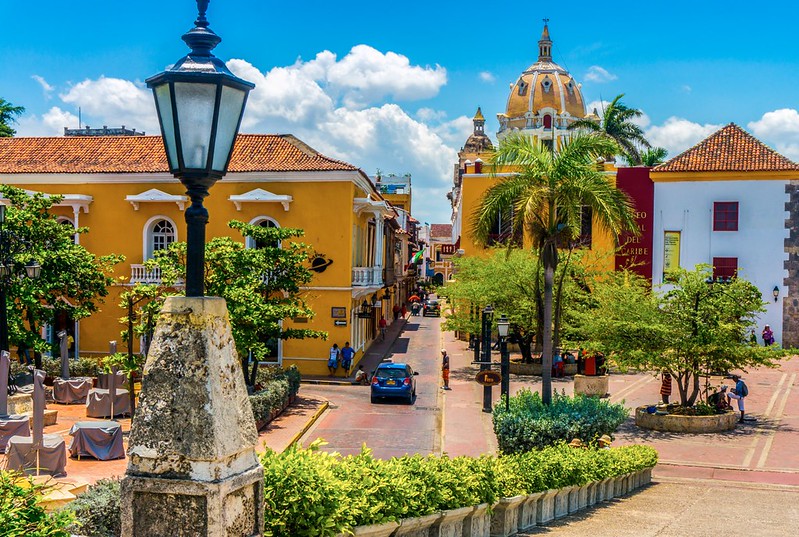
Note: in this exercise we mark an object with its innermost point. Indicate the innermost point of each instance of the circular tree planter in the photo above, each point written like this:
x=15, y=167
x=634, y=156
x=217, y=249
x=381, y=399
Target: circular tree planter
x=676, y=423
x=591, y=385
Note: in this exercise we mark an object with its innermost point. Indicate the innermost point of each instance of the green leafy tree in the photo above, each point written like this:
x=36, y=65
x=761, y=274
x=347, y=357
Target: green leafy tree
x=654, y=156
x=72, y=280
x=617, y=123
x=547, y=191
x=261, y=285
x=693, y=327
x=142, y=304
x=8, y=115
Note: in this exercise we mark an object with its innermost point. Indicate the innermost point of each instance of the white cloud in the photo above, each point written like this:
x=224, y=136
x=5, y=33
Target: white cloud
x=599, y=106
x=114, y=102
x=599, y=75
x=779, y=128
x=46, y=88
x=678, y=134
x=685, y=88
x=485, y=76
x=335, y=105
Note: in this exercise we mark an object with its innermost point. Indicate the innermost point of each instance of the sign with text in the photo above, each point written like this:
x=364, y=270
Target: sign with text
x=635, y=251
x=488, y=378
x=671, y=252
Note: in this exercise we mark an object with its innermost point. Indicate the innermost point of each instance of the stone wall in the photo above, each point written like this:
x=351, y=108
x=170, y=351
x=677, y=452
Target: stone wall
x=790, y=303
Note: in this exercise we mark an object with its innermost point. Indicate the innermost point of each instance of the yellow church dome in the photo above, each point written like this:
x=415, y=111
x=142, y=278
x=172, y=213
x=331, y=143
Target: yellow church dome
x=543, y=87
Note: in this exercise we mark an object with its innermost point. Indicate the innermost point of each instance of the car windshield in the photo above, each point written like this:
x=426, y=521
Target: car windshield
x=391, y=373
x=432, y=302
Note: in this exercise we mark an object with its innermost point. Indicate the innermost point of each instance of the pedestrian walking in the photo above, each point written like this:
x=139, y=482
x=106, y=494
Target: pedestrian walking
x=445, y=368
x=768, y=336
x=333, y=359
x=739, y=393
x=665, y=387
x=347, y=353
x=382, y=324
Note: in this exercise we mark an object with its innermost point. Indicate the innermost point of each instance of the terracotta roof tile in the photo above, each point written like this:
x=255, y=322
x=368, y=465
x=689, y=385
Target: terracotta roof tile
x=145, y=154
x=730, y=149
x=441, y=230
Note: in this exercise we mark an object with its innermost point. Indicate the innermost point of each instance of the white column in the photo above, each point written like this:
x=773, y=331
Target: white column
x=76, y=213
x=379, y=254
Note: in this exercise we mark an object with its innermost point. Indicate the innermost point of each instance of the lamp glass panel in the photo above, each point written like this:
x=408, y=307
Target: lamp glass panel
x=164, y=101
x=195, y=106
x=231, y=106
x=502, y=328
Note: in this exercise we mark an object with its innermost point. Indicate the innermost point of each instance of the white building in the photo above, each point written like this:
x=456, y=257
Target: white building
x=726, y=202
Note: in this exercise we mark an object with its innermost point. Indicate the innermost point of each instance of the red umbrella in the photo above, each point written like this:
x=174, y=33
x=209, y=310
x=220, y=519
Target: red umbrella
x=413, y=298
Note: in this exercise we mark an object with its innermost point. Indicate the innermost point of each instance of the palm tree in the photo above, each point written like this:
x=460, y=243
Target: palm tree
x=654, y=156
x=547, y=191
x=616, y=122
x=8, y=114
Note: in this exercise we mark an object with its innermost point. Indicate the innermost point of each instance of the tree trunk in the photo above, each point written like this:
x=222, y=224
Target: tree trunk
x=546, y=357
x=539, y=303
x=525, y=347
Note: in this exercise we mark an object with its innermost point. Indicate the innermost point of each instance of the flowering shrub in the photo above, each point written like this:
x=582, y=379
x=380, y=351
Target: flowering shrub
x=530, y=424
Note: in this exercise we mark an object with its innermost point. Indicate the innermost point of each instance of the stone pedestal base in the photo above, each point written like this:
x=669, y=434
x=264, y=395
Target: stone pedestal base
x=192, y=468
x=157, y=507
x=20, y=403
x=591, y=385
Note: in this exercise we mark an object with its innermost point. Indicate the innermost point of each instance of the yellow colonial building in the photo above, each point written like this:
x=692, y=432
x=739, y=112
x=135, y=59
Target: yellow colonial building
x=543, y=103
x=120, y=188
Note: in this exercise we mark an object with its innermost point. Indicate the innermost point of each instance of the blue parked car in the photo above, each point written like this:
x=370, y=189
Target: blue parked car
x=394, y=380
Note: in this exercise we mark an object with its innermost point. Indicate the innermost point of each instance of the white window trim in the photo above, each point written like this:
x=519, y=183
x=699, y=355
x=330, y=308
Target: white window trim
x=249, y=242
x=259, y=195
x=146, y=253
x=157, y=196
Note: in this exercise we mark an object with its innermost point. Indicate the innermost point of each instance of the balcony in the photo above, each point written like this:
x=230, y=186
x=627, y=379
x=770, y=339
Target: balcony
x=367, y=276
x=140, y=274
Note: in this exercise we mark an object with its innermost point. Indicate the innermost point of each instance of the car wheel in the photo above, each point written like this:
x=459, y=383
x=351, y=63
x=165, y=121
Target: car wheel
x=374, y=399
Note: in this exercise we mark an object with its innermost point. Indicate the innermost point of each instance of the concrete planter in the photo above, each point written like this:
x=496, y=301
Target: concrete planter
x=618, y=486
x=451, y=523
x=562, y=502
x=528, y=512
x=591, y=385
x=674, y=423
x=582, y=496
x=505, y=518
x=546, y=507
x=647, y=472
x=593, y=490
x=373, y=530
x=605, y=489
x=478, y=522
x=517, y=368
x=416, y=527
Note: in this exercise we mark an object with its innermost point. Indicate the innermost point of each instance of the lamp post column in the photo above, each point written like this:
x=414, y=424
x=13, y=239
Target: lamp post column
x=486, y=348
x=505, y=369
x=196, y=220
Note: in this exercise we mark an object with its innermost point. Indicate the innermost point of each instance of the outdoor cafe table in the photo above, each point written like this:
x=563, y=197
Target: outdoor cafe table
x=98, y=403
x=72, y=390
x=13, y=426
x=99, y=439
x=52, y=457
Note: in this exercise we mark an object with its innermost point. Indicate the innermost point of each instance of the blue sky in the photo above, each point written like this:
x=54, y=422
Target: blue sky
x=394, y=85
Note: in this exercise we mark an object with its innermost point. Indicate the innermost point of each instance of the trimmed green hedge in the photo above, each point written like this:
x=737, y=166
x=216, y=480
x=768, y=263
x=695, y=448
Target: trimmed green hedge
x=82, y=367
x=530, y=424
x=312, y=493
x=275, y=386
x=20, y=512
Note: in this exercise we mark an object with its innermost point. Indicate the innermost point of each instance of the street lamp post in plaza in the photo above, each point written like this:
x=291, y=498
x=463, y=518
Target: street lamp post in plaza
x=200, y=104
x=11, y=247
x=192, y=442
x=485, y=365
x=503, y=326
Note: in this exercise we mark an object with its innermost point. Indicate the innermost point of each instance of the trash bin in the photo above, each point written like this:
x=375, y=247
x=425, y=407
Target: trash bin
x=589, y=366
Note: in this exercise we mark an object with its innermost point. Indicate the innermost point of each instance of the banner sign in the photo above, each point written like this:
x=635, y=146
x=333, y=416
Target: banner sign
x=671, y=252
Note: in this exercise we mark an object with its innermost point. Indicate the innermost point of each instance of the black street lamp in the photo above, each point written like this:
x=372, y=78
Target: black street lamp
x=12, y=246
x=503, y=326
x=200, y=104
x=485, y=363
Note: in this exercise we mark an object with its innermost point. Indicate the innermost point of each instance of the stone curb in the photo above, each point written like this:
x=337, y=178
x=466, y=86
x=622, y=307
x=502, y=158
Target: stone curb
x=308, y=424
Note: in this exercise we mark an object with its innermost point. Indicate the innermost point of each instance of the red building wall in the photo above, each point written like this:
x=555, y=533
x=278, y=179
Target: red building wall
x=636, y=251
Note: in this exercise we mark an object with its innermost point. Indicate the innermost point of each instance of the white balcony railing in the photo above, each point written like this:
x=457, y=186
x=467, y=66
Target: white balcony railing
x=139, y=274
x=367, y=276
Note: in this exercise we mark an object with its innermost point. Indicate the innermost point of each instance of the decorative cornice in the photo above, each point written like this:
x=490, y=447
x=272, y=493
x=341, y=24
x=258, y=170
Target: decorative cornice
x=157, y=196
x=260, y=195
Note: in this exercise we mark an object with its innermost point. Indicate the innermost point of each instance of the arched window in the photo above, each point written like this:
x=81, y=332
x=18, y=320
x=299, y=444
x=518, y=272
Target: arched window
x=160, y=234
x=547, y=121
x=67, y=222
x=267, y=223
